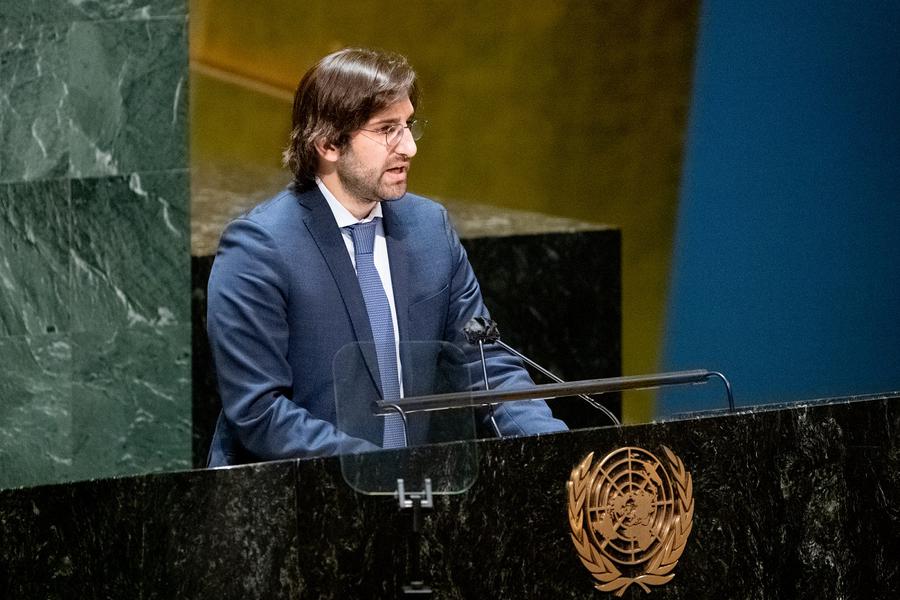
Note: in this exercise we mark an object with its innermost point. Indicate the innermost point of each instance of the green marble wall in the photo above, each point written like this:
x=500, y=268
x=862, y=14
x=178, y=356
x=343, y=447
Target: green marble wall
x=94, y=239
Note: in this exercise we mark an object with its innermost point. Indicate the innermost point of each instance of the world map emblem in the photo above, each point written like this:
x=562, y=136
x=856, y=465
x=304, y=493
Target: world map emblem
x=630, y=516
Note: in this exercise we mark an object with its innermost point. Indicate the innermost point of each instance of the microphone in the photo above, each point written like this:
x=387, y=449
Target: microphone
x=478, y=331
x=481, y=330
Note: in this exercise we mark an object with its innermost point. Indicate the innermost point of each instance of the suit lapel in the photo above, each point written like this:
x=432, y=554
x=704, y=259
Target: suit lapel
x=399, y=233
x=398, y=241
x=324, y=231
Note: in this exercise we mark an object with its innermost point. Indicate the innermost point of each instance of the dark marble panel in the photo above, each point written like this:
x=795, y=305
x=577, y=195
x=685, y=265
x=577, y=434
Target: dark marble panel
x=33, y=101
x=353, y=537
x=797, y=502
x=130, y=412
x=128, y=96
x=35, y=411
x=32, y=12
x=508, y=537
x=34, y=269
x=794, y=503
x=184, y=535
x=210, y=538
x=556, y=297
x=779, y=495
x=789, y=504
x=130, y=260
x=60, y=541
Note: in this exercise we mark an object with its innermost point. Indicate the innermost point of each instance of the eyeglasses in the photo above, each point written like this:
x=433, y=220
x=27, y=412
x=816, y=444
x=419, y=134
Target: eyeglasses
x=394, y=132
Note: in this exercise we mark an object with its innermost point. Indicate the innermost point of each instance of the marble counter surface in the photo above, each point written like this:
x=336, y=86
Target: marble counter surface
x=220, y=192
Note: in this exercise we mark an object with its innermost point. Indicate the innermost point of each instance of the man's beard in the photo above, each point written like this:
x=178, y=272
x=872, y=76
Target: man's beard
x=366, y=184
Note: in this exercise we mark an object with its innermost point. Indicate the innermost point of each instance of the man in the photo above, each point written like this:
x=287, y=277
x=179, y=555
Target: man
x=343, y=255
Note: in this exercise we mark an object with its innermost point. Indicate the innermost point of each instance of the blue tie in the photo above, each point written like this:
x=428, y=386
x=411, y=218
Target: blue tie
x=382, y=326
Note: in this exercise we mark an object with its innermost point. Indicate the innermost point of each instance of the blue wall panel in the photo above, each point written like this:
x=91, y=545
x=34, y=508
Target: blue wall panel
x=787, y=259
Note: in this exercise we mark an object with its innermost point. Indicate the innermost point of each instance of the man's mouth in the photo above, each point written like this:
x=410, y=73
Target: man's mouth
x=400, y=170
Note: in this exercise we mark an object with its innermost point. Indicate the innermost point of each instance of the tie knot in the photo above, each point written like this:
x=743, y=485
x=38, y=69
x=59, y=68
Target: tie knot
x=363, y=236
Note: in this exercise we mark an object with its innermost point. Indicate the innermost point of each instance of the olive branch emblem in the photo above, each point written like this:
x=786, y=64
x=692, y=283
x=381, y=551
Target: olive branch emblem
x=672, y=534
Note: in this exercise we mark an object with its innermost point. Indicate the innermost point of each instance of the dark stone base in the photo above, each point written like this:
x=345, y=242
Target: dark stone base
x=794, y=502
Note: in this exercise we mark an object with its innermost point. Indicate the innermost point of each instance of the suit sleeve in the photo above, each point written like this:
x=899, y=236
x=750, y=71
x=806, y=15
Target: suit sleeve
x=248, y=333
x=505, y=371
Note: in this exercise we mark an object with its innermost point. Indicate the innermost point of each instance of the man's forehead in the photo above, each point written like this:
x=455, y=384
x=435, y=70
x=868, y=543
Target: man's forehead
x=399, y=111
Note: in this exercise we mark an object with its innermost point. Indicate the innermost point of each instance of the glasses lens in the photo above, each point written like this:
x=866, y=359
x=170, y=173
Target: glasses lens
x=393, y=135
x=417, y=129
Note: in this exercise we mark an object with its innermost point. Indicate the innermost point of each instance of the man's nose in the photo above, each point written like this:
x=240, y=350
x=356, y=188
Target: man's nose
x=406, y=145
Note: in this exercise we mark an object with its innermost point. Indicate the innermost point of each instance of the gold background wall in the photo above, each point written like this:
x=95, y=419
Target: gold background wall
x=575, y=109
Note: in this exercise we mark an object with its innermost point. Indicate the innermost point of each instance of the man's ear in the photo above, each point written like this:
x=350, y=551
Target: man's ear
x=327, y=151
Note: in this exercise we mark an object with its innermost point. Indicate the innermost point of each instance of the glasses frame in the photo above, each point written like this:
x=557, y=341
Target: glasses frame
x=416, y=129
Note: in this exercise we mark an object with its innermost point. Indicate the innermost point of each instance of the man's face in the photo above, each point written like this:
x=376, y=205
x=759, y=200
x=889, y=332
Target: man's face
x=368, y=169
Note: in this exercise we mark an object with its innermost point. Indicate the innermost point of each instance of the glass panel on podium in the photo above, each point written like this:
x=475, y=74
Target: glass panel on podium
x=441, y=443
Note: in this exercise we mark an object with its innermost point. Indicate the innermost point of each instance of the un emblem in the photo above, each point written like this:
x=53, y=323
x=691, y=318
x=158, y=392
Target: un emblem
x=630, y=517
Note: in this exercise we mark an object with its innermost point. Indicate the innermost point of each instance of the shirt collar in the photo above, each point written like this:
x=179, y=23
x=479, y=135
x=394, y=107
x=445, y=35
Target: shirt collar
x=343, y=216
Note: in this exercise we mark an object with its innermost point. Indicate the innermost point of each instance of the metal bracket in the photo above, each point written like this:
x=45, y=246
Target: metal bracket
x=407, y=499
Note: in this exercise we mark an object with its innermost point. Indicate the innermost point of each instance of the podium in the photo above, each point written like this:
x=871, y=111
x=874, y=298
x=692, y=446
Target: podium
x=790, y=501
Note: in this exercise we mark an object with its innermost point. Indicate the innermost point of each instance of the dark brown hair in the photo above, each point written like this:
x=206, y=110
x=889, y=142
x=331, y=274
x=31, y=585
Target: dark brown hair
x=337, y=96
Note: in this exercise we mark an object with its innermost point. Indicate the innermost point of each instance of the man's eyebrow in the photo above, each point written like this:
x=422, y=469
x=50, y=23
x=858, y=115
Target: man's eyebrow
x=392, y=120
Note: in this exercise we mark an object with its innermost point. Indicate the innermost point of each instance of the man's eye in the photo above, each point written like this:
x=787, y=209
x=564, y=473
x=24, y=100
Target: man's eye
x=389, y=129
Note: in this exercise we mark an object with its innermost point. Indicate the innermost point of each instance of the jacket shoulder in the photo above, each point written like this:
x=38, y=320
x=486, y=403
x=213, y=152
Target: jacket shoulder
x=276, y=210
x=419, y=211
x=416, y=202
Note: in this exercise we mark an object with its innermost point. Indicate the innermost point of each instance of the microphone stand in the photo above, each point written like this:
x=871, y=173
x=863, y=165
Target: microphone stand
x=481, y=329
x=487, y=387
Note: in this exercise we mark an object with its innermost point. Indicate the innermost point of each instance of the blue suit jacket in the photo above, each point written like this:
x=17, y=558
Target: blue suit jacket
x=284, y=300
